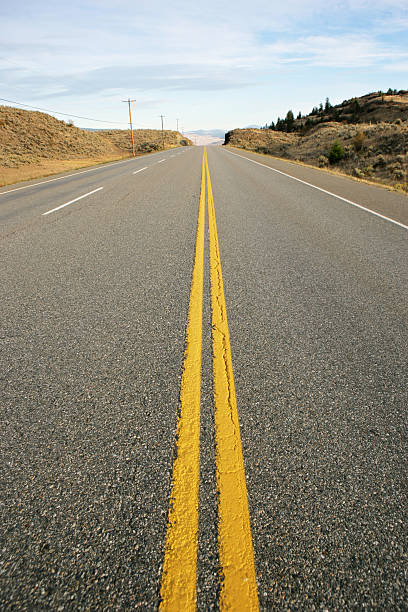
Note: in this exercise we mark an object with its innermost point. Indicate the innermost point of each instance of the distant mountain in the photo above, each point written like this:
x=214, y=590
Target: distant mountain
x=216, y=133
x=252, y=127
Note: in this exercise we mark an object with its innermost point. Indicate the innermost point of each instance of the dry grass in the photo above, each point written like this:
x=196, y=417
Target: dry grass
x=377, y=152
x=47, y=167
x=34, y=145
x=334, y=171
x=28, y=137
x=146, y=141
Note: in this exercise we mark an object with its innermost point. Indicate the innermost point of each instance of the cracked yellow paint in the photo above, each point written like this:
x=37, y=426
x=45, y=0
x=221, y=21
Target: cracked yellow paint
x=238, y=588
x=178, y=586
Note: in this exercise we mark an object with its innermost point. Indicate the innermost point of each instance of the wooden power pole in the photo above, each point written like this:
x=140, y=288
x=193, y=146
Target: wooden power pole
x=131, y=127
x=162, y=117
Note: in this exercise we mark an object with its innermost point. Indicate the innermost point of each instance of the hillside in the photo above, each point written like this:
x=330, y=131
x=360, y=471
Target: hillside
x=375, y=107
x=27, y=136
x=35, y=144
x=145, y=140
x=374, y=138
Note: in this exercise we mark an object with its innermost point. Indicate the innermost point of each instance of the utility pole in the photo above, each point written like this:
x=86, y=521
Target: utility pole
x=131, y=127
x=177, y=123
x=162, y=117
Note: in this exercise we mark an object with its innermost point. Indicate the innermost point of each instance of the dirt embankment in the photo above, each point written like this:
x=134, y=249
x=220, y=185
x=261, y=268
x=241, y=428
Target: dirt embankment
x=375, y=150
x=34, y=144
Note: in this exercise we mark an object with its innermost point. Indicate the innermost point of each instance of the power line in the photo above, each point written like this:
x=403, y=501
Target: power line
x=45, y=110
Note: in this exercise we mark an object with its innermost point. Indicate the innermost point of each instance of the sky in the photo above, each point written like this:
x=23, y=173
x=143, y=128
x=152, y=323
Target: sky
x=220, y=65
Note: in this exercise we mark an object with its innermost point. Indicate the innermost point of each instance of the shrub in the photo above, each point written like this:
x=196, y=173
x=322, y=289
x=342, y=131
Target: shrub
x=368, y=170
x=146, y=147
x=336, y=153
x=380, y=162
x=348, y=150
x=358, y=173
x=398, y=121
x=401, y=186
x=323, y=161
x=398, y=173
x=359, y=140
x=395, y=166
x=400, y=158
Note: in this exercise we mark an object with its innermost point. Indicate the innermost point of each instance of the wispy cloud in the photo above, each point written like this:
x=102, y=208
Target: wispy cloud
x=344, y=51
x=176, y=77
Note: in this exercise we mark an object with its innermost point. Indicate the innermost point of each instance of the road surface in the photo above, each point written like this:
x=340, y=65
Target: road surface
x=107, y=445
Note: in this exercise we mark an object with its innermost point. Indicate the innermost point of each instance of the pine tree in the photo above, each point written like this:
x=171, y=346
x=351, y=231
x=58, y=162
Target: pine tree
x=289, y=121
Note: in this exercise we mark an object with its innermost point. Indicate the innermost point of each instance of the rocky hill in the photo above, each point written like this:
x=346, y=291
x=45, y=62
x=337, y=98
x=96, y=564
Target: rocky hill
x=372, y=132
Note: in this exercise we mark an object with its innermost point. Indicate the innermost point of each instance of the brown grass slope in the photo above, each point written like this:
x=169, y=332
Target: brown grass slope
x=26, y=137
x=375, y=149
x=34, y=144
x=145, y=140
x=375, y=107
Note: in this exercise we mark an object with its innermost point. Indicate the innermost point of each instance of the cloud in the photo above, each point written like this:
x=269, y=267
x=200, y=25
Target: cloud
x=160, y=46
x=343, y=51
x=174, y=77
x=398, y=67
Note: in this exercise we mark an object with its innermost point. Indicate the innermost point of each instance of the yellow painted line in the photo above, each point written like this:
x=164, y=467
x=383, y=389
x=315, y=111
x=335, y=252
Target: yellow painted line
x=238, y=588
x=178, y=585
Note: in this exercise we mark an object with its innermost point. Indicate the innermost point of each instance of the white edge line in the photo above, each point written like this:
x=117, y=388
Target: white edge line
x=324, y=191
x=141, y=169
x=162, y=160
x=60, y=178
x=72, y=201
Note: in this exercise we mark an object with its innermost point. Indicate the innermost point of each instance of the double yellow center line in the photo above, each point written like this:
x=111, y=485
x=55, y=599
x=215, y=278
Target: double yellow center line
x=238, y=582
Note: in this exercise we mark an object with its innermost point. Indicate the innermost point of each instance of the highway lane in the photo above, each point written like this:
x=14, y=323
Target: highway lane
x=21, y=202
x=317, y=295
x=95, y=299
x=392, y=204
x=94, y=307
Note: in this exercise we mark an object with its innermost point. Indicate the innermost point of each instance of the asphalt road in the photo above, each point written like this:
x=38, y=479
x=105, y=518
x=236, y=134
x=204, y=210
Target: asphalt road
x=94, y=307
